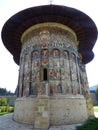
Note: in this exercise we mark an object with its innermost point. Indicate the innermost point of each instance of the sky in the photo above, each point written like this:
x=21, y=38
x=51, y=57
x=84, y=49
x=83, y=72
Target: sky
x=9, y=70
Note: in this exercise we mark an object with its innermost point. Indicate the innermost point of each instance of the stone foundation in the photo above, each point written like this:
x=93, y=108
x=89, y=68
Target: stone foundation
x=44, y=111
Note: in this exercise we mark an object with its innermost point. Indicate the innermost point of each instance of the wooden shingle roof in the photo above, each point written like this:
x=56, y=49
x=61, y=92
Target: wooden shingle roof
x=81, y=23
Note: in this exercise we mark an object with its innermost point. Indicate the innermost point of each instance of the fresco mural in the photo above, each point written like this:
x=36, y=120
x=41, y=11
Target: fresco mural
x=53, y=49
x=84, y=82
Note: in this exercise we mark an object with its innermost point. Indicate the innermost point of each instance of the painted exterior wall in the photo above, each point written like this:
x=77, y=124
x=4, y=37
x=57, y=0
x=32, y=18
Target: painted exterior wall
x=50, y=63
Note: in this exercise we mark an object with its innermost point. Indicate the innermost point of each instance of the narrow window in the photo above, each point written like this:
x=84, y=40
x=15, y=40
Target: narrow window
x=45, y=74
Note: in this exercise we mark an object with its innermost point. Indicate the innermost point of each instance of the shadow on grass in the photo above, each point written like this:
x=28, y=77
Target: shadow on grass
x=90, y=124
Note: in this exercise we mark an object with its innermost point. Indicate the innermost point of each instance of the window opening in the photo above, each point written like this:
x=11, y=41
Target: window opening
x=45, y=77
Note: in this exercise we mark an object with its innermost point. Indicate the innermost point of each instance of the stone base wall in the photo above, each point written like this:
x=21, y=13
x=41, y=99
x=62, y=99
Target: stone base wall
x=24, y=110
x=67, y=110
x=58, y=110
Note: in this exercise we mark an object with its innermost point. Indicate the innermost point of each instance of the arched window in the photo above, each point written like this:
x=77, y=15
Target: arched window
x=45, y=74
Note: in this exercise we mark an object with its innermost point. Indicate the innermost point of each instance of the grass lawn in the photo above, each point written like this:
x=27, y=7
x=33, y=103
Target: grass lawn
x=90, y=124
x=95, y=108
x=3, y=113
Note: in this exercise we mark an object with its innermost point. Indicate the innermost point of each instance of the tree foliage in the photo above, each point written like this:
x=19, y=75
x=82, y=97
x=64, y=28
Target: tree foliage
x=97, y=92
x=4, y=92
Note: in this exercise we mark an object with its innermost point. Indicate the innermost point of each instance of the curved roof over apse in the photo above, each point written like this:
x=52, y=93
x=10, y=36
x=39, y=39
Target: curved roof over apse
x=81, y=23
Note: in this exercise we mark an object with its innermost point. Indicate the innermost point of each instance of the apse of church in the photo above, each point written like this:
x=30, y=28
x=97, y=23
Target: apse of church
x=50, y=63
x=51, y=44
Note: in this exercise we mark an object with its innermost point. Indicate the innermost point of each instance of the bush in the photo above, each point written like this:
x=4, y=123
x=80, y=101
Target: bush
x=10, y=109
x=4, y=101
x=3, y=108
x=6, y=109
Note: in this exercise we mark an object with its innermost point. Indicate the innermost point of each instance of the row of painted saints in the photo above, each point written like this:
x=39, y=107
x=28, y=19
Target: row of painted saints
x=49, y=39
x=60, y=71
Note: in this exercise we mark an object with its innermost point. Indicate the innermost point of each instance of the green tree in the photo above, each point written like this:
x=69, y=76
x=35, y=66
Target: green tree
x=97, y=92
x=3, y=91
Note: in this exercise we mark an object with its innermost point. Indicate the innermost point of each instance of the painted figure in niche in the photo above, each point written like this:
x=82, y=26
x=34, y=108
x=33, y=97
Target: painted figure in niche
x=45, y=53
x=67, y=75
x=54, y=44
x=57, y=87
x=63, y=87
x=21, y=90
x=67, y=85
x=73, y=66
x=56, y=53
x=51, y=88
x=38, y=75
x=51, y=74
x=36, y=63
x=60, y=44
x=51, y=62
x=35, y=54
x=44, y=61
x=65, y=54
x=33, y=64
x=35, y=38
x=50, y=44
x=56, y=62
x=51, y=52
x=53, y=36
x=62, y=62
x=34, y=89
x=42, y=89
x=66, y=64
x=75, y=88
x=83, y=79
x=63, y=45
x=26, y=76
x=26, y=68
x=44, y=35
x=68, y=37
x=35, y=75
x=58, y=36
x=62, y=74
x=27, y=58
x=35, y=46
x=39, y=45
x=26, y=92
x=44, y=44
x=56, y=74
x=72, y=56
x=74, y=76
